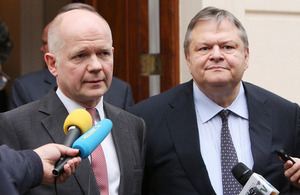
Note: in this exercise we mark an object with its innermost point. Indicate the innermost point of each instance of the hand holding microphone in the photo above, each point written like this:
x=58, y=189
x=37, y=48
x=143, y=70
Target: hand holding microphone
x=292, y=172
x=291, y=167
x=254, y=184
x=49, y=154
x=88, y=142
x=76, y=124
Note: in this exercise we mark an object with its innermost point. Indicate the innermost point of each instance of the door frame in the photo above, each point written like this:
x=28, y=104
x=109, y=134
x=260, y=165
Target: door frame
x=128, y=20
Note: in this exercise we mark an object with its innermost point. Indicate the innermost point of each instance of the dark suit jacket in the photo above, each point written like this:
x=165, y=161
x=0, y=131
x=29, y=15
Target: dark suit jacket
x=174, y=164
x=4, y=101
x=41, y=122
x=35, y=85
x=19, y=170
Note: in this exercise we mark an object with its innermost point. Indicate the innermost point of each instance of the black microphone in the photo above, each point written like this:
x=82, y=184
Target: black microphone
x=254, y=184
x=76, y=124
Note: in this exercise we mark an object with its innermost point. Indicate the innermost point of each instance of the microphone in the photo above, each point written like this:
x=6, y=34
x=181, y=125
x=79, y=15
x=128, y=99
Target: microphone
x=76, y=124
x=88, y=142
x=254, y=184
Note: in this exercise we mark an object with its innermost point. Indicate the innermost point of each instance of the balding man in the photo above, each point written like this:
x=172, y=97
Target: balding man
x=35, y=85
x=81, y=58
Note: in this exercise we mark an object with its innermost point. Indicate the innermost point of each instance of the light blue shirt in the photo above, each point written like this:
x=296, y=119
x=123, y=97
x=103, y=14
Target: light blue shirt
x=209, y=126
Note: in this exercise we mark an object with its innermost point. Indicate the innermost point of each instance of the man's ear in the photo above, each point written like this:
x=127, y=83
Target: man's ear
x=50, y=59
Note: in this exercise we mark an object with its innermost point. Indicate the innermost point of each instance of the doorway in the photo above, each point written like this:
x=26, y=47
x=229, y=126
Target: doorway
x=129, y=22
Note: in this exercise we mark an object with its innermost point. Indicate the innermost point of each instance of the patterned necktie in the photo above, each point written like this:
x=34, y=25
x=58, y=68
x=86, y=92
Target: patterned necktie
x=228, y=158
x=99, y=163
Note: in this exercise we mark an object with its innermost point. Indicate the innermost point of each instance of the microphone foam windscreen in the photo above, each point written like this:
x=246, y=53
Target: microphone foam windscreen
x=79, y=118
x=241, y=172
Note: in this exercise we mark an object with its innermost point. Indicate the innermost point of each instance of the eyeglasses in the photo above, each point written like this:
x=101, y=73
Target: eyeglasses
x=4, y=78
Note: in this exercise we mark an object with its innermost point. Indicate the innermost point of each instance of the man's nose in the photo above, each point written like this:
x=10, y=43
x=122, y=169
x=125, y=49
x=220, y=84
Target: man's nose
x=95, y=64
x=216, y=54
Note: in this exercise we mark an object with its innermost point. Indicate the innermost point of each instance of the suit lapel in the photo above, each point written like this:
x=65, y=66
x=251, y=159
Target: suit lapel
x=123, y=146
x=183, y=129
x=53, y=107
x=260, y=127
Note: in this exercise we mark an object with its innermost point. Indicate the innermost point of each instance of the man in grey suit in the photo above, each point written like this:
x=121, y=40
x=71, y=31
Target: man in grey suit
x=81, y=58
x=35, y=85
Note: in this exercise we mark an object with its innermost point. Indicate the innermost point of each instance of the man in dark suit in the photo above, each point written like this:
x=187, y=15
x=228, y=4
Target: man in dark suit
x=81, y=58
x=183, y=152
x=35, y=85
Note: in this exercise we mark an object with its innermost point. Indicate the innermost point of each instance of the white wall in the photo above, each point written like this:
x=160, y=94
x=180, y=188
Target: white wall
x=273, y=28
x=186, y=12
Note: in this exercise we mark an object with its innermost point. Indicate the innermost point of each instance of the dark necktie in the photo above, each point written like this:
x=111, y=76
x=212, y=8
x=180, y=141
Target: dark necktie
x=99, y=163
x=228, y=158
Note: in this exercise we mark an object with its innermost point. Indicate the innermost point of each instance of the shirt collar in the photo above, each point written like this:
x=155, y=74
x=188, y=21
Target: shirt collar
x=207, y=108
x=71, y=105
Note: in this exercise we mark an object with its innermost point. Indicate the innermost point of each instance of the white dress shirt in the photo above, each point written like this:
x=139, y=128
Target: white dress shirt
x=111, y=158
x=209, y=127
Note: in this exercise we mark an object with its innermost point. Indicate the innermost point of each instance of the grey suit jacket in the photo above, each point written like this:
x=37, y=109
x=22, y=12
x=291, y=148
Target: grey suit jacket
x=41, y=122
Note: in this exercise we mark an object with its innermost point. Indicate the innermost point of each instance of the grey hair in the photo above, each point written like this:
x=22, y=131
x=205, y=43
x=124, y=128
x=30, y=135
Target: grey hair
x=55, y=41
x=212, y=13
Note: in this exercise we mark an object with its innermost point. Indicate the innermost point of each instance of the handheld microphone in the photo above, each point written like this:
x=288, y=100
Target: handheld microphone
x=76, y=124
x=254, y=184
x=88, y=142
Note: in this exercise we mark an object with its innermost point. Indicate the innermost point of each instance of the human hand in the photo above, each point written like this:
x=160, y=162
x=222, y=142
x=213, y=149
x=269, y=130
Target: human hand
x=50, y=154
x=292, y=172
